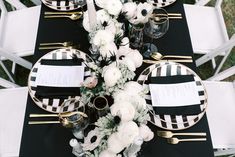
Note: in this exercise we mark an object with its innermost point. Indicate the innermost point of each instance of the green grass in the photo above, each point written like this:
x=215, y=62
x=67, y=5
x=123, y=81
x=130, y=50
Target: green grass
x=205, y=71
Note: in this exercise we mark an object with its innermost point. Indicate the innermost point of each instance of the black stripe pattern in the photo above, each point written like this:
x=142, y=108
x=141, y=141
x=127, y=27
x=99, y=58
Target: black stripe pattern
x=172, y=122
x=64, y=5
x=49, y=104
x=161, y=3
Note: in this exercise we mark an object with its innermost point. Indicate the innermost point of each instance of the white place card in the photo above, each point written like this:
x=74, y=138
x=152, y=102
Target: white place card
x=173, y=95
x=60, y=76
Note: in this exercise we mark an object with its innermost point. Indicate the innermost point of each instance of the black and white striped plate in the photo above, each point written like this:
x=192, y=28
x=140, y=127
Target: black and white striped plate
x=64, y=5
x=161, y=3
x=173, y=122
x=53, y=104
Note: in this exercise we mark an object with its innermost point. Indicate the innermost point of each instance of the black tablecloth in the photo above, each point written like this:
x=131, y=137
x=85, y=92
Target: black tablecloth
x=52, y=140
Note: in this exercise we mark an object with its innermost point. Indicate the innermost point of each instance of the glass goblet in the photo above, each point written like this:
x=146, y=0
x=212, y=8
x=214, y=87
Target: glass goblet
x=156, y=27
x=72, y=115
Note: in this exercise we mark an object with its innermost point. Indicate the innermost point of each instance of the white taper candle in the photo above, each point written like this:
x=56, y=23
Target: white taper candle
x=91, y=13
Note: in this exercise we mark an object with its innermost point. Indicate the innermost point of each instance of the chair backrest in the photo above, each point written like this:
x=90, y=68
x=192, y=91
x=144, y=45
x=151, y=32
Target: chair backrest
x=13, y=105
x=221, y=110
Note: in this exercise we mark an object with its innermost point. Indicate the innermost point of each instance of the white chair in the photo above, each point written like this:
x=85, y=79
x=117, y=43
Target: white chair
x=13, y=104
x=208, y=32
x=18, y=31
x=221, y=112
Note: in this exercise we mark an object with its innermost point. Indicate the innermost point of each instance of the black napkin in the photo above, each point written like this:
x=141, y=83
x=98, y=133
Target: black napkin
x=56, y=92
x=62, y=62
x=192, y=109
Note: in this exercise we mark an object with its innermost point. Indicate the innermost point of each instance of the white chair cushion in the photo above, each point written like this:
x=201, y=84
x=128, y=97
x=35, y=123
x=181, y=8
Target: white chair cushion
x=13, y=104
x=20, y=31
x=206, y=28
x=221, y=112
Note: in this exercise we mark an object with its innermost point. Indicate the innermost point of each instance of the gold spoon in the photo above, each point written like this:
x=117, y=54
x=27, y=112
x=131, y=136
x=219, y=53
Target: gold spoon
x=67, y=114
x=158, y=56
x=63, y=13
x=169, y=134
x=72, y=16
x=176, y=140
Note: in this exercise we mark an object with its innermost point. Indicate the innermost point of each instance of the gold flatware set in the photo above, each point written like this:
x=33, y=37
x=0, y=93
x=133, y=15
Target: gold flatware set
x=173, y=140
x=71, y=15
x=57, y=45
x=174, y=58
x=63, y=115
x=158, y=17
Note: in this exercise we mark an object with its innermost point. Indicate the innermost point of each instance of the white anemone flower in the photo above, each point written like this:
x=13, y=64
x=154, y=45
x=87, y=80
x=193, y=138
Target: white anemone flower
x=124, y=110
x=127, y=132
x=125, y=42
x=101, y=17
x=108, y=50
x=145, y=132
x=92, y=140
x=114, y=144
x=129, y=9
x=144, y=10
x=103, y=37
x=113, y=7
x=111, y=75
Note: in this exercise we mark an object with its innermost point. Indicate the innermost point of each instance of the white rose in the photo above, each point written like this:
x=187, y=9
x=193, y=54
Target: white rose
x=101, y=3
x=133, y=86
x=124, y=109
x=123, y=51
x=128, y=62
x=106, y=153
x=102, y=38
x=113, y=7
x=108, y=50
x=145, y=132
x=127, y=132
x=129, y=9
x=111, y=75
x=114, y=144
x=136, y=57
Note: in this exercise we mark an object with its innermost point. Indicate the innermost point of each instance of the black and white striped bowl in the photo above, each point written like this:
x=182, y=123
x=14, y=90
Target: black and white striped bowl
x=64, y=5
x=172, y=122
x=53, y=104
x=161, y=3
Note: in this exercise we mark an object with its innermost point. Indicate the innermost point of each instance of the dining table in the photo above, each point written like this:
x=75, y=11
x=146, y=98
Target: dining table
x=52, y=140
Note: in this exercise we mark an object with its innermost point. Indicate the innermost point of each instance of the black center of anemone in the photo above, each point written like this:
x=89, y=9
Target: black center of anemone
x=93, y=139
x=121, y=57
x=104, y=24
x=117, y=119
x=144, y=12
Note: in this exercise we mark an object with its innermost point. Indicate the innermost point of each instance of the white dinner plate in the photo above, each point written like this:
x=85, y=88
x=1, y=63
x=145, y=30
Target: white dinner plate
x=53, y=104
x=173, y=122
x=64, y=5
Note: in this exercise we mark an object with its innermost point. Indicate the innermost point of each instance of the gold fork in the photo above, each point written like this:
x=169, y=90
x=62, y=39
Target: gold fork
x=67, y=114
x=176, y=140
x=169, y=134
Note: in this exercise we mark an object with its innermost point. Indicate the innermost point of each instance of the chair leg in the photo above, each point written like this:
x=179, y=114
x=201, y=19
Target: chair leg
x=9, y=74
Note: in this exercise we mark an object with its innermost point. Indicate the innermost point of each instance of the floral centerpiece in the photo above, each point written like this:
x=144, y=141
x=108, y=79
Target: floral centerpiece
x=122, y=131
